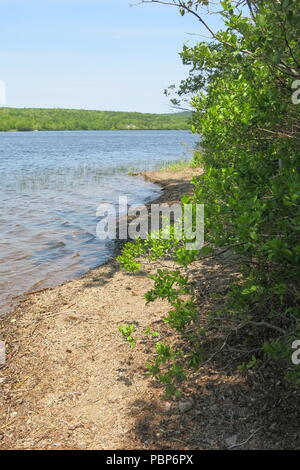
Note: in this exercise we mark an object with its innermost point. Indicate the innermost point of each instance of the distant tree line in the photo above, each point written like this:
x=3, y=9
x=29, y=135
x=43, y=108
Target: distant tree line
x=30, y=119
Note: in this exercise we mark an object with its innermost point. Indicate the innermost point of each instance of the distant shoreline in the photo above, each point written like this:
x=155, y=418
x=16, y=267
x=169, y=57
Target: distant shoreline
x=45, y=119
x=93, y=130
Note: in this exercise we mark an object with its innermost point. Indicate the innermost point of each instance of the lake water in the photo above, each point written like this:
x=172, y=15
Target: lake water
x=51, y=185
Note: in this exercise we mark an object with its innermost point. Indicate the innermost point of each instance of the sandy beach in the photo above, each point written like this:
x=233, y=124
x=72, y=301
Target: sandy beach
x=70, y=381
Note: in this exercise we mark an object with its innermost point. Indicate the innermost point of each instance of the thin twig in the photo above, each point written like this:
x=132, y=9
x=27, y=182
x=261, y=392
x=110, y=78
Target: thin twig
x=244, y=442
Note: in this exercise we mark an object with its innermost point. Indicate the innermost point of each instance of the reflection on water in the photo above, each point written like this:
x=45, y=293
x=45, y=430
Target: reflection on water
x=51, y=185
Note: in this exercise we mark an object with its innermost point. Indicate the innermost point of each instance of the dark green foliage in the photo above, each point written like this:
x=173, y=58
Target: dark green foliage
x=242, y=86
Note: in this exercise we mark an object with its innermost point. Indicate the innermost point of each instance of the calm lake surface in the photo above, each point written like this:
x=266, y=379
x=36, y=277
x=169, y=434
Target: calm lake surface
x=51, y=185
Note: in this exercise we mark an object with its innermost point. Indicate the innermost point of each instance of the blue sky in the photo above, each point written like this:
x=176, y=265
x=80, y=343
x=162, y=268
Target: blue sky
x=92, y=54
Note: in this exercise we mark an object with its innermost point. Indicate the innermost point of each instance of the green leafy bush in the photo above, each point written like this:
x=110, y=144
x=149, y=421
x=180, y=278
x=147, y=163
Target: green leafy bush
x=242, y=86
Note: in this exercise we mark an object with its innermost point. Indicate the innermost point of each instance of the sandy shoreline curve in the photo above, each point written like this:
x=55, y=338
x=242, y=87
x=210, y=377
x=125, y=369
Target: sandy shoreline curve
x=65, y=357
x=71, y=382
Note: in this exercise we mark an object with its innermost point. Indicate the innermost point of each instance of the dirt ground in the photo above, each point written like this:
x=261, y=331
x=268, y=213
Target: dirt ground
x=70, y=381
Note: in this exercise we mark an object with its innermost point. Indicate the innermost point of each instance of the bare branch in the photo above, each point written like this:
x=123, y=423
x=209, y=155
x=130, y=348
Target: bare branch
x=185, y=7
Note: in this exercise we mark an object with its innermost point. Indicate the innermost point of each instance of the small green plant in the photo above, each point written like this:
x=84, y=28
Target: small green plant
x=177, y=166
x=126, y=331
x=254, y=362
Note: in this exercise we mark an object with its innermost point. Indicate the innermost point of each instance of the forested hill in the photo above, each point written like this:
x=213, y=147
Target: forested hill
x=29, y=119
